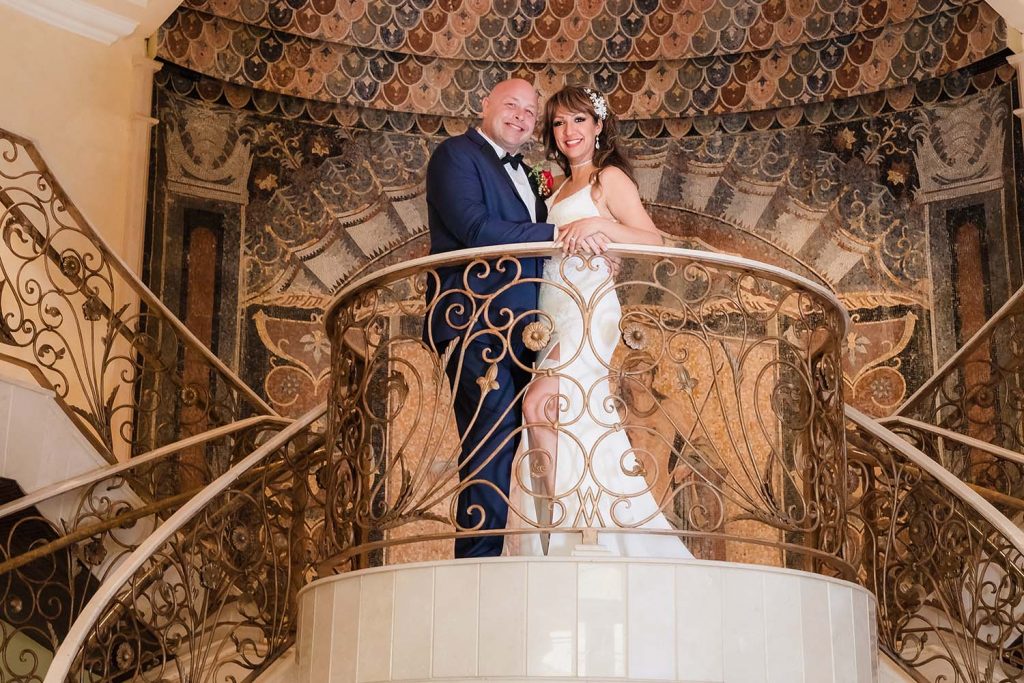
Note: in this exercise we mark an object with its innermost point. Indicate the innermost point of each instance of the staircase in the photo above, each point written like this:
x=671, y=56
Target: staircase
x=201, y=537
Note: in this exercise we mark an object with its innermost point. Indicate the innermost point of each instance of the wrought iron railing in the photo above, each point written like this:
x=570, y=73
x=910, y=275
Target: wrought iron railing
x=723, y=373
x=946, y=567
x=979, y=391
x=133, y=376
x=210, y=593
x=994, y=472
x=59, y=543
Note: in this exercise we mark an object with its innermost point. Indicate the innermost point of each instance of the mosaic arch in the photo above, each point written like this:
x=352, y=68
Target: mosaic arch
x=869, y=144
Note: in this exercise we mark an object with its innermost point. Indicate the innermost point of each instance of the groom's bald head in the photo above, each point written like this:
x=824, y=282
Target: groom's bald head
x=510, y=113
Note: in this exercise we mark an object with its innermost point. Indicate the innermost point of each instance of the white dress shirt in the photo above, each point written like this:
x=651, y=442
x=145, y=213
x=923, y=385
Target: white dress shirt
x=518, y=176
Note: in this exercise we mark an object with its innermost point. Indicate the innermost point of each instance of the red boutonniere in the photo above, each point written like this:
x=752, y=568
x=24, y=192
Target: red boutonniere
x=542, y=180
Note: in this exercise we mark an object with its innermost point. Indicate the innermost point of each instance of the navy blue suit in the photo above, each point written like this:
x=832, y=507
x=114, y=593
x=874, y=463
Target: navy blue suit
x=472, y=202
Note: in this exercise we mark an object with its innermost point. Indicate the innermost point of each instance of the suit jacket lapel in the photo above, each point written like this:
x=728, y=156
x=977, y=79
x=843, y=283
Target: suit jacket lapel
x=488, y=151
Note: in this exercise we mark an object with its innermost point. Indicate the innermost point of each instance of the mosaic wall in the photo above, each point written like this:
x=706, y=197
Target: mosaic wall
x=653, y=58
x=869, y=145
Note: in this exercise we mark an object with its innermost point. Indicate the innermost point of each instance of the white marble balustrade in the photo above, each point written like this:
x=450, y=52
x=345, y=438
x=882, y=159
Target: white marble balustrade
x=593, y=619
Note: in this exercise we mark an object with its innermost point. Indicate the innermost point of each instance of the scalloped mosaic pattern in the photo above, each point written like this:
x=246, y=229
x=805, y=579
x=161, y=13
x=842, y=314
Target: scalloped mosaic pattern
x=419, y=83
x=561, y=31
x=950, y=86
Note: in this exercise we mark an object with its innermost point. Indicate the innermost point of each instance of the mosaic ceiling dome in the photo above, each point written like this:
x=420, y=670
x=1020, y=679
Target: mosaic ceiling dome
x=655, y=59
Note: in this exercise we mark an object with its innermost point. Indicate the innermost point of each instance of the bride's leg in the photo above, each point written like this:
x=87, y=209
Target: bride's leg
x=540, y=410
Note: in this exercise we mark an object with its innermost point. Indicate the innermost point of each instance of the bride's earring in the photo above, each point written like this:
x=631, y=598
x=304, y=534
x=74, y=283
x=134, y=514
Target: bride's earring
x=597, y=143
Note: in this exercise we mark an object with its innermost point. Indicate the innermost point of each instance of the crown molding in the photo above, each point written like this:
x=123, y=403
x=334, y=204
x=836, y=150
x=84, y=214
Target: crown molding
x=1012, y=11
x=79, y=16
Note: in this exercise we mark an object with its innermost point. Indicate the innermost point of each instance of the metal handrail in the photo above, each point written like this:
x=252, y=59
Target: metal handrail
x=991, y=449
x=762, y=303
x=135, y=284
x=947, y=479
x=541, y=249
x=64, y=657
x=928, y=579
x=976, y=339
x=47, y=492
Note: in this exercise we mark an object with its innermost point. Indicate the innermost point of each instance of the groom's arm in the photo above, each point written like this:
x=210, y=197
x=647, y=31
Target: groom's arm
x=455, y=193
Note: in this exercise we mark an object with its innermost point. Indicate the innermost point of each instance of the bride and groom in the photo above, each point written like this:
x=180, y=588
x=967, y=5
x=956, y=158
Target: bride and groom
x=480, y=194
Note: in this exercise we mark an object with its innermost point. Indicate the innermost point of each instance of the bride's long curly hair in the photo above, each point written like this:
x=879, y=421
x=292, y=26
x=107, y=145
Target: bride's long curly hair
x=575, y=99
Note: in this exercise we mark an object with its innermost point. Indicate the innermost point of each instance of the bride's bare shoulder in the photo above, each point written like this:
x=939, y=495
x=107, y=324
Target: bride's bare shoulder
x=615, y=178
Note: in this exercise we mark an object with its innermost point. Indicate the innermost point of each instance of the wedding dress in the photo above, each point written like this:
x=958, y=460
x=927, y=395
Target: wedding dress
x=603, y=494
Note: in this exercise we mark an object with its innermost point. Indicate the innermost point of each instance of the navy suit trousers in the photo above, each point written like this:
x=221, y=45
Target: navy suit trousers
x=490, y=438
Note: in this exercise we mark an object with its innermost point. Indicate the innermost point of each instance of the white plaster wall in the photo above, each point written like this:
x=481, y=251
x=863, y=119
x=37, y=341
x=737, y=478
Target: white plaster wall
x=593, y=619
x=284, y=669
x=39, y=444
x=890, y=672
x=85, y=105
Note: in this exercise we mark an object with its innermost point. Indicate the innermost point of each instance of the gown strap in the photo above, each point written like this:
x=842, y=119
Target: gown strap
x=554, y=194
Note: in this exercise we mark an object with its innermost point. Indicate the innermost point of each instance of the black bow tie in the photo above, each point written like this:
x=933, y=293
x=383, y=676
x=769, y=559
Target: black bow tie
x=513, y=160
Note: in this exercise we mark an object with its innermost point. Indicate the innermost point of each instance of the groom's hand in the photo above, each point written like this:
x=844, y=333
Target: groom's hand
x=573, y=234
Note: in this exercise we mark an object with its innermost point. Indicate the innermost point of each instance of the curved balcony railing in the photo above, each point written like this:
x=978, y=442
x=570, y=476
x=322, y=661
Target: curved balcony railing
x=128, y=371
x=210, y=593
x=59, y=543
x=946, y=567
x=723, y=374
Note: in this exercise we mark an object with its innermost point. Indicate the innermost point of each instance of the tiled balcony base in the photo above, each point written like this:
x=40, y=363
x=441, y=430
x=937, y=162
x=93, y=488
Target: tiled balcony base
x=593, y=619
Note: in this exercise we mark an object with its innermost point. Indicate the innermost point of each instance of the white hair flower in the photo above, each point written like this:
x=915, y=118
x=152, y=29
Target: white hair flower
x=599, y=102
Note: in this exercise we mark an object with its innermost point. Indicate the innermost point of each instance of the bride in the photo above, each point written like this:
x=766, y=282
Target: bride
x=580, y=469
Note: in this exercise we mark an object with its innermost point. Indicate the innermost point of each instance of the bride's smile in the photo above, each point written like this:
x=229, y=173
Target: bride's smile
x=575, y=134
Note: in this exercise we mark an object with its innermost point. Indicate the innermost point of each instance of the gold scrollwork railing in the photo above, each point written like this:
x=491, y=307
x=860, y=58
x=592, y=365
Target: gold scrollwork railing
x=59, y=543
x=210, y=594
x=946, y=567
x=994, y=472
x=133, y=376
x=979, y=391
x=713, y=409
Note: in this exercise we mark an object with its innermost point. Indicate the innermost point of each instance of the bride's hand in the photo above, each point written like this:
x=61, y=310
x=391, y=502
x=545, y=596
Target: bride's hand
x=572, y=235
x=595, y=244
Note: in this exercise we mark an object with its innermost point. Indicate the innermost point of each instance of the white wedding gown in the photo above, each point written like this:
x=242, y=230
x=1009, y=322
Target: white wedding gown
x=603, y=495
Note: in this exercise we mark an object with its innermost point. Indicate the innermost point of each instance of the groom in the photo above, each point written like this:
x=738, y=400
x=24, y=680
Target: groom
x=479, y=194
